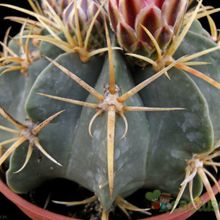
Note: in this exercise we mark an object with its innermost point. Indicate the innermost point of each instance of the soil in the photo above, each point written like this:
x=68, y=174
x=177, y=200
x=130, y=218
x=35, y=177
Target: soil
x=64, y=190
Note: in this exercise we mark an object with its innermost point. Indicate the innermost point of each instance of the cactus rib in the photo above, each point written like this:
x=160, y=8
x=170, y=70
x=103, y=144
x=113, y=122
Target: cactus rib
x=74, y=77
x=109, y=101
x=195, y=166
x=198, y=74
x=182, y=64
x=26, y=132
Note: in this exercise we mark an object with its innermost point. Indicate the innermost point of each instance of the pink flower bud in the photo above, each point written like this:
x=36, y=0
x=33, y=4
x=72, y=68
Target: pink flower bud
x=161, y=17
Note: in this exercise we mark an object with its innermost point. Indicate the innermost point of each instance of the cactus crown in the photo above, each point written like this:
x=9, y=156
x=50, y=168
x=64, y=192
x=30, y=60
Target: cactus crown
x=70, y=87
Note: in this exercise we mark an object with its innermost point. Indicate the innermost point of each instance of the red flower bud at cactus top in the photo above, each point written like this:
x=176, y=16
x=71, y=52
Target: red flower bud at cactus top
x=86, y=10
x=57, y=5
x=162, y=18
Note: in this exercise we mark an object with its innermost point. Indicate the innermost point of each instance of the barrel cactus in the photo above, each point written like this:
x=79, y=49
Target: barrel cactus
x=71, y=89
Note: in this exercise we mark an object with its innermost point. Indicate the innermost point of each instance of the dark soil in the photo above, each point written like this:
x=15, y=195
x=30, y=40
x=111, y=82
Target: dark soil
x=63, y=190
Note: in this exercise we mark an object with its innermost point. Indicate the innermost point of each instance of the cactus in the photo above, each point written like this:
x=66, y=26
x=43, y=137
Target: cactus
x=70, y=91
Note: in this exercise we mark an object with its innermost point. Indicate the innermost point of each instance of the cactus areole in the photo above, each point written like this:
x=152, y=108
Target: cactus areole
x=113, y=95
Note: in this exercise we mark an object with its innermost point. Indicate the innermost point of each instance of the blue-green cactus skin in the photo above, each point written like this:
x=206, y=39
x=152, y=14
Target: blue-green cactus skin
x=154, y=152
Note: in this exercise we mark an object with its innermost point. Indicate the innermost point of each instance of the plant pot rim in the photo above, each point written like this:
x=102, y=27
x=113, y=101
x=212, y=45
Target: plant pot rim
x=28, y=208
x=37, y=213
